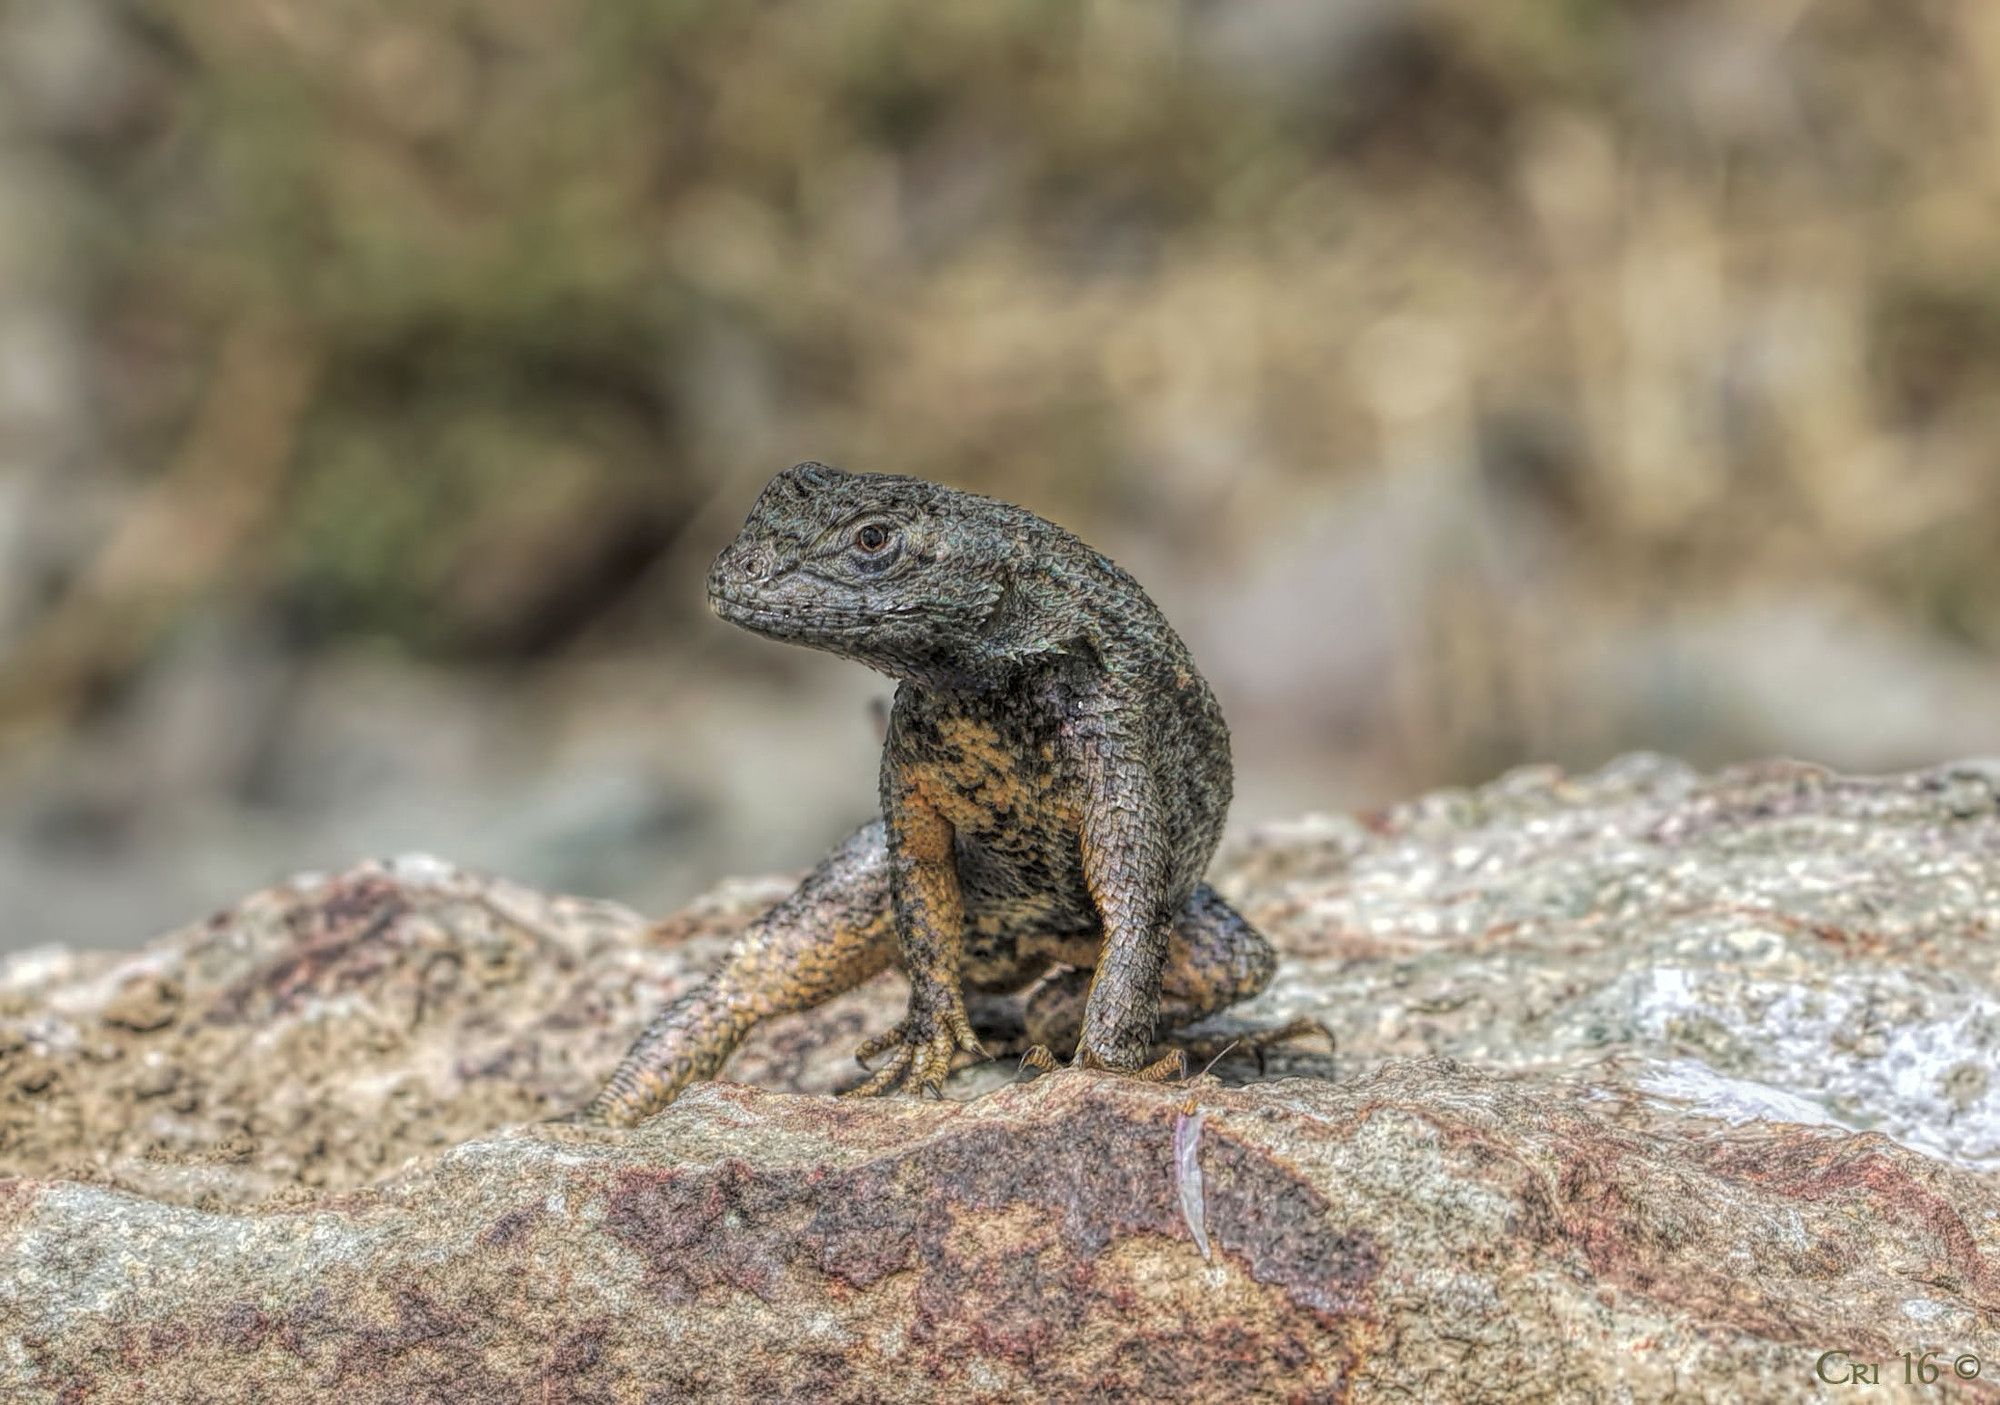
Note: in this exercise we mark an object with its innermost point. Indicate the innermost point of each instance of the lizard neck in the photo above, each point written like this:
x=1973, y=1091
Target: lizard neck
x=954, y=671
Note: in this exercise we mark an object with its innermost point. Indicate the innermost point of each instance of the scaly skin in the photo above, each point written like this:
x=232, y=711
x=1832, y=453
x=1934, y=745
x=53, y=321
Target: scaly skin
x=1054, y=781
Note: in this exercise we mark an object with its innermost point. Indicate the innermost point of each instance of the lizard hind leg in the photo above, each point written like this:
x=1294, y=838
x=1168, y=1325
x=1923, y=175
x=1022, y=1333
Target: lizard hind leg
x=833, y=932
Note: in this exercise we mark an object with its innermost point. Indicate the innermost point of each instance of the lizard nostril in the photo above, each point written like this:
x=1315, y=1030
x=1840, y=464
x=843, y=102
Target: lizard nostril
x=756, y=566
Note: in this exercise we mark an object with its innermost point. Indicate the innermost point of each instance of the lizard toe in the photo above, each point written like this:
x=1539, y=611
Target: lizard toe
x=880, y=1044
x=919, y=1064
x=1039, y=1058
x=885, y=1077
x=1171, y=1067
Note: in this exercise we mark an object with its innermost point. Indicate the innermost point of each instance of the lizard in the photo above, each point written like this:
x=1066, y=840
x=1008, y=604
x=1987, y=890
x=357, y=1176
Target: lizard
x=1055, y=775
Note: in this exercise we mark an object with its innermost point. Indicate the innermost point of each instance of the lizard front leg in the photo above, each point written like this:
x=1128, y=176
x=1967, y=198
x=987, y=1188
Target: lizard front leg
x=1125, y=868
x=1215, y=959
x=930, y=928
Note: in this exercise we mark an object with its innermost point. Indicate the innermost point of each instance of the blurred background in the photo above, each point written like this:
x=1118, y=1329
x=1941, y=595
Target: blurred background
x=1472, y=383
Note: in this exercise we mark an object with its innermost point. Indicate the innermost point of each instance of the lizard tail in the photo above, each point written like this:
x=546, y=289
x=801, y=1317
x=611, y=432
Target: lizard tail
x=832, y=933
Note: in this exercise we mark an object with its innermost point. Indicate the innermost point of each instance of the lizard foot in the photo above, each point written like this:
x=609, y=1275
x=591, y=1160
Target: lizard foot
x=1210, y=1048
x=1038, y=1057
x=919, y=1063
x=1169, y=1068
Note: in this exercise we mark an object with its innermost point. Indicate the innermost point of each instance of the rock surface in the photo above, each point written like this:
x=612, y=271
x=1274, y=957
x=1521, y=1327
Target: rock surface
x=1651, y=1086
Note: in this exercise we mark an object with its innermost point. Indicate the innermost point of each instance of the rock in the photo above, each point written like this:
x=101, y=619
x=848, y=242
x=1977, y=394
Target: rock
x=1650, y=1086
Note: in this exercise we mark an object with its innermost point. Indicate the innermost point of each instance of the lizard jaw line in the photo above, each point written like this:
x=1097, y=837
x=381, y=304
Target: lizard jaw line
x=763, y=618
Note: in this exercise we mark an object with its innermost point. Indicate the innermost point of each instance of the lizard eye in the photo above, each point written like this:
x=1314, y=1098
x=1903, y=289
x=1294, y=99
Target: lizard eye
x=871, y=537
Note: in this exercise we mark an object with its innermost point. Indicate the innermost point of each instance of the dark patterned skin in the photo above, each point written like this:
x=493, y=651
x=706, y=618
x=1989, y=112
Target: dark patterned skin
x=1054, y=781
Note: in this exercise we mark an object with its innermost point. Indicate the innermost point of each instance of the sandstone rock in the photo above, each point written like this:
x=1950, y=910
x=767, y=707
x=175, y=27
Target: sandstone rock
x=1650, y=1086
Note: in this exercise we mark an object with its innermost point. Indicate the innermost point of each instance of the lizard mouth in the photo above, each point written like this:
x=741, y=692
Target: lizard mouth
x=763, y=617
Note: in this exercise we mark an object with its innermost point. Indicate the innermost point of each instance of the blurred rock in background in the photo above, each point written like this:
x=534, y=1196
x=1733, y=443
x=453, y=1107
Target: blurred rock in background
x=1472, y=383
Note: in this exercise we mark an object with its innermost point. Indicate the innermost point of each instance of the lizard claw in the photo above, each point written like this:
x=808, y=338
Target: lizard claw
x=1256, y=1043
x=1039, y=1058
x=919, y=1063
x=881, y=1044
x=1170, y=1067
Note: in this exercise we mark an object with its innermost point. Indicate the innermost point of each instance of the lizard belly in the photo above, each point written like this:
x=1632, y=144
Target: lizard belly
x=1015, y=813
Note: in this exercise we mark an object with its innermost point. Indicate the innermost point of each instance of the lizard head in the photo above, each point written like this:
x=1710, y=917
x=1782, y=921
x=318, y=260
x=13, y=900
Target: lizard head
x=898, y=573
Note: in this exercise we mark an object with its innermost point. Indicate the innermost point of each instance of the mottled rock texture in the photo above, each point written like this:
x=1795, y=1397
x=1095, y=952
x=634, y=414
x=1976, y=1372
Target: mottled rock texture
x=1651, y=1086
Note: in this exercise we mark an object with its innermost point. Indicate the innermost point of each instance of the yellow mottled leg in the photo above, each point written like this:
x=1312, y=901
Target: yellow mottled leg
x=830, y=935
x=930, y=932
